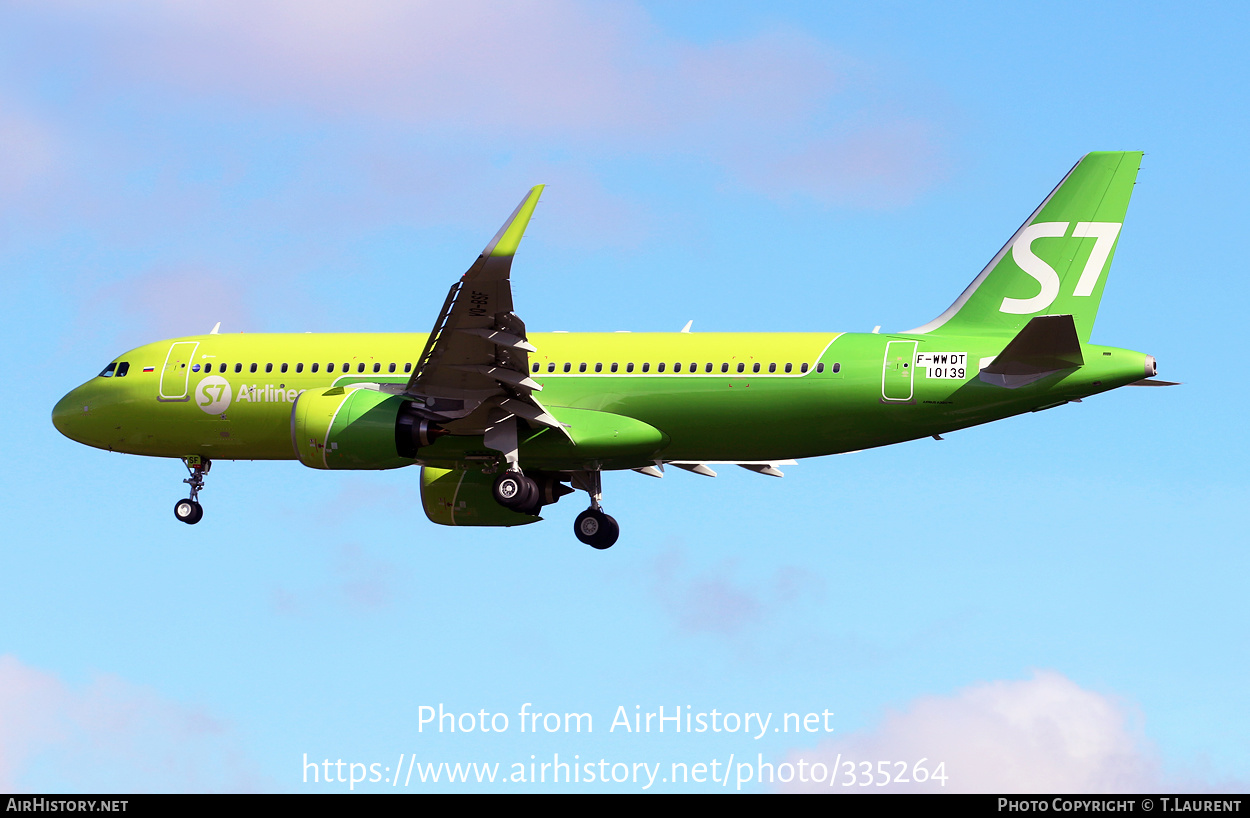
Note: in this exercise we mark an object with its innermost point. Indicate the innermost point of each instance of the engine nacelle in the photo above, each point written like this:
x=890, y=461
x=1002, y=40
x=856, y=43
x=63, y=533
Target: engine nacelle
x=463, y=497
x=355, y=428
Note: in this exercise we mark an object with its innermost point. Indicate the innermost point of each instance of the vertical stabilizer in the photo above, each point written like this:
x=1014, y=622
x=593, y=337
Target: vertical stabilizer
x=1057, y=262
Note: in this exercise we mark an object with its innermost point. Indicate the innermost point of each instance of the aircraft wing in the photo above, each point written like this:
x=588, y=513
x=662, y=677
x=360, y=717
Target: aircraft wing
x=477, y=357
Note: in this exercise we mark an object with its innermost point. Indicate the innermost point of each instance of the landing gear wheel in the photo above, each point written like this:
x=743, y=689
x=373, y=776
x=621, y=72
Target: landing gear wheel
x=596, y=529
x=188, y=511
x=514, y=490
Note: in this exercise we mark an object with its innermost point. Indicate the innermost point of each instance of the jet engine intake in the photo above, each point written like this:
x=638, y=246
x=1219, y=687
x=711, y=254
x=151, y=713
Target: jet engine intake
x=357, y=428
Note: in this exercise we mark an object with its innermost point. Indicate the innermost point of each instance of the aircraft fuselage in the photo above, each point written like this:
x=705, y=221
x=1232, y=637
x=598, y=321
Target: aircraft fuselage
x=715, y=396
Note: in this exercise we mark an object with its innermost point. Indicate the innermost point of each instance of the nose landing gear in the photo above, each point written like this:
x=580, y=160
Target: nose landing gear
x=189, y=510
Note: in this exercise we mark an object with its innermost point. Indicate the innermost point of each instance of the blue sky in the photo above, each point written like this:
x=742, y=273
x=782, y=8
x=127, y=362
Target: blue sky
x=1061, y=593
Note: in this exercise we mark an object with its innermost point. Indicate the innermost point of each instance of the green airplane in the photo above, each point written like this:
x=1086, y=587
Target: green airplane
x=463, y=402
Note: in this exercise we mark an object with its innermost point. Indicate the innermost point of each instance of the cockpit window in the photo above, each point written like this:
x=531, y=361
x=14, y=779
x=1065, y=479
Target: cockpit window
x=123, y=368
x=108, y=371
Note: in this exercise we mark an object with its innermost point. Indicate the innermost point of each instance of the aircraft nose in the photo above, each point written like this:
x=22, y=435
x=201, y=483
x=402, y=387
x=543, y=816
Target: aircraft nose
x=69, y=414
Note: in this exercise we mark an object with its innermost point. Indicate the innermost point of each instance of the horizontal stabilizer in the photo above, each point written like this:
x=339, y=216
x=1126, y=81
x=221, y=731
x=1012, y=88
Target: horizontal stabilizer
x=1048, y=343
x=1153, y=382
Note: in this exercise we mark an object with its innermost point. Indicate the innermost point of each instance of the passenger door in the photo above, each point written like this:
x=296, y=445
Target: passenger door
x=177, y=371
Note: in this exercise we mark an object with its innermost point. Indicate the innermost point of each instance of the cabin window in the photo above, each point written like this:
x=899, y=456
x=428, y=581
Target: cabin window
x=581, y=367
x=614, y=366
x=408, y=367
x=535, y=367
x=742, y=367
x=347, y=367
x=755, y=367
x=677, y=367
x=360, y=367
x=252, y=368
x=724, y=367
x=391, y=368
x=313, y=368
x=284, y=369
x=238, y=367
x=377, y=366
x=660, y=367
x=567, y=366
x=598, y=367
x=551, y=367
x=707, y=368
x=694, y=368
x=803, y=368
x=108, y=370
x=299, y=368
x=789, y=368
x=269, y=367
x=837, y=367
x=222, y=369
x=329, y=368
x=629, y=367
x=772, y=367
x=646, y=367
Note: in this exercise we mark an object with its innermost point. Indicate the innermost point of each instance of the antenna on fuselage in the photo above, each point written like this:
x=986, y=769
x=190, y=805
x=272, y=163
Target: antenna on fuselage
x=216, y=327
x=687, y=327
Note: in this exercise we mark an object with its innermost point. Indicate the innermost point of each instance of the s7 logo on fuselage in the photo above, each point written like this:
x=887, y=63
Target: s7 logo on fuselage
x=1104, y=234
x=213, y=394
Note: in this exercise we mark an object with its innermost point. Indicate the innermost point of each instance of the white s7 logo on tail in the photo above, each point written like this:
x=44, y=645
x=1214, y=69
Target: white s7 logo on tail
x=1104, y=234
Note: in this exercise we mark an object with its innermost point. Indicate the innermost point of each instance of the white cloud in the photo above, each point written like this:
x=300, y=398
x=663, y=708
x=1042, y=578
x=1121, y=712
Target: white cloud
x=771, y=107
x=714, y=602
x=109, y=736
x=1042, y=735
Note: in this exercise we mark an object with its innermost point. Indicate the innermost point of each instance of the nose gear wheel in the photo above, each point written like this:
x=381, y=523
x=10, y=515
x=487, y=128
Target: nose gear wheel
x=190, y=511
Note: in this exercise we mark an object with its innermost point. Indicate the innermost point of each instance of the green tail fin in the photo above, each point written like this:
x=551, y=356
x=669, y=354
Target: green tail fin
x=1057, y=262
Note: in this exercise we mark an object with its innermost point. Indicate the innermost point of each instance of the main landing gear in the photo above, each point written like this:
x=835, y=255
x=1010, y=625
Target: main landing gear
x=596, y=529
x=527, y=495
x=514, y=490
x=189, y=510
x=592, y=526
